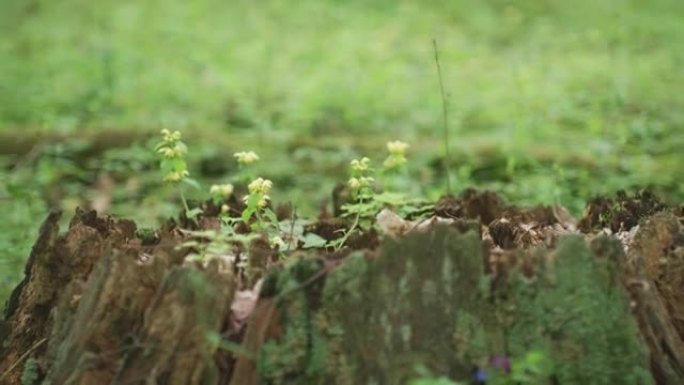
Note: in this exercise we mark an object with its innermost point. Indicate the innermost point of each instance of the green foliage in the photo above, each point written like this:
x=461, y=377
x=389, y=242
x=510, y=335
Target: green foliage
x=601, y=119
x=174, y=167
x=23, y=211
x=535, y=367
x=208, y=244
x=31, y=372
x=427, y=379
x=591, y=87
x=146, y=235
x=433, y=381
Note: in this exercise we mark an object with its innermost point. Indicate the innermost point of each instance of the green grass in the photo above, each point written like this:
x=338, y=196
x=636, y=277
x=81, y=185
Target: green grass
x=550, y=101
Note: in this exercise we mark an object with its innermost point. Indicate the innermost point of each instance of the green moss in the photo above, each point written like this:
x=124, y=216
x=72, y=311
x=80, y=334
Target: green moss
x=31, y=372
x=578, y=314
x=298, y=356
x=148, y=236
x=426, y=301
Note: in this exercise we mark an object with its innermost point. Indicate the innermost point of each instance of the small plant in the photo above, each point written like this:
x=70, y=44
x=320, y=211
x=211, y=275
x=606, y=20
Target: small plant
x=174, y=167
x=361, y=185
x=244, y=160
x=397, y=154
x=147, y=235
x=426, y=378
x=221, y=192
x=534, y=368
x=257, y=199
x=367, y=203
x=246, y=157
x=396, y=183
x=208, y=244
x=266, y=220
x=361, y=181
x=433, y=381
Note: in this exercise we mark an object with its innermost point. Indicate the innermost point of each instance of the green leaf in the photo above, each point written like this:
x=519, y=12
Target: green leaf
x=194, y=213
x=391, y=198
x=192, y=183
x=180, y=145
x=211, y=234
x=270, y=215
x=168, y=165
x=313, y=241
x=247, y=213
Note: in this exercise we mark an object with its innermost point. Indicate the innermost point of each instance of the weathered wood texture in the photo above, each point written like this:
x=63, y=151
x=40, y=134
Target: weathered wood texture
x=97, y=307
x=112, y=311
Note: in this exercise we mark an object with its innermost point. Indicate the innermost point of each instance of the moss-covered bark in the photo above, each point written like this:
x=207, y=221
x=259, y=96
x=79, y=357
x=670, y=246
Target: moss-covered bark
x=425, y=301
x=98, y=307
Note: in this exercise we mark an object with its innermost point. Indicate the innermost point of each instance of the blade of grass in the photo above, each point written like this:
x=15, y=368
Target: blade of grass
x=445, y=116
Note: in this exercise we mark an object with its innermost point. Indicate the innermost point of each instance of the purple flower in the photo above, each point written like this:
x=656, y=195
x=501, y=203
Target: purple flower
x=501, y=362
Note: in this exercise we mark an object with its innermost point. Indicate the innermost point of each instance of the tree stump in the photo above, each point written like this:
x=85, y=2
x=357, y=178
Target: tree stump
x=97, y=306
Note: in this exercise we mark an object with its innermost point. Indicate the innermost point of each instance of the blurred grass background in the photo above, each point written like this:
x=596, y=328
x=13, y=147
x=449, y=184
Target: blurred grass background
x=550, y=101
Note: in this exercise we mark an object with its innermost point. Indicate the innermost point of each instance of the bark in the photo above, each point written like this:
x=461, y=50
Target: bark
x=98, y=307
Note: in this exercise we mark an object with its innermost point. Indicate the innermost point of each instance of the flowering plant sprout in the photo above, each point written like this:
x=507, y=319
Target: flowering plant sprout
x=257, y=207
x=245, y=160
x=173, y=166
x=397, y=155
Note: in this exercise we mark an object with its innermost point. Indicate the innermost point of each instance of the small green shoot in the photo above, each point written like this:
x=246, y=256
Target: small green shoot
x=174, y=167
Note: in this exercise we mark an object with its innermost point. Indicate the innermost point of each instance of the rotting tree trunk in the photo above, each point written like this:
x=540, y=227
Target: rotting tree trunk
x=97, y=307
x=656, y=263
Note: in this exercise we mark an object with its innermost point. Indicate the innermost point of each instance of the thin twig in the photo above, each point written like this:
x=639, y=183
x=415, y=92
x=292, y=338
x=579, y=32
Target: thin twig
x=22, y=358
x=292, y=227
x=445, y=115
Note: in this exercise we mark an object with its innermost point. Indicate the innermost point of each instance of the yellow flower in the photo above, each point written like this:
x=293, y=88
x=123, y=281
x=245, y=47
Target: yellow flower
x=360, y=164
x=170, y=137
x=221, y=190
x=354, y=183
x=246, y=157
x=397, y=147
x=260, y=186
x=262, y=202
x=175, y=176
x=366, y=181
x=394, y=161
x=276, y=242
x=172, y=152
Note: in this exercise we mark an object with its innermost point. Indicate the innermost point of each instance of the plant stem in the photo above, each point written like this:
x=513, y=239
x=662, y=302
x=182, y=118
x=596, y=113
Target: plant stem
x=445, y=116
x=185, y=202
x=353, y=226
x=348, y=233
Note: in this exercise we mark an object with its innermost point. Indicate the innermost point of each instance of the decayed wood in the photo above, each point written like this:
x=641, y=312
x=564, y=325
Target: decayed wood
x=55, y=262
x=96, y=307
x=108, y=312
x=657, y=289
x=265, y=326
